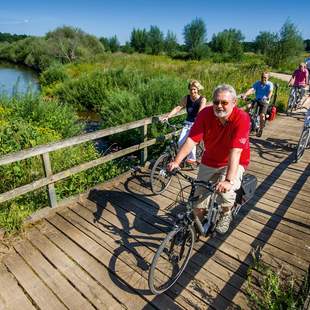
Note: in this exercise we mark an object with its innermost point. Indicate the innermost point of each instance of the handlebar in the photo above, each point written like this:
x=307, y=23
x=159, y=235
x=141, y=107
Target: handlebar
x=157, y=120
x=208, y=185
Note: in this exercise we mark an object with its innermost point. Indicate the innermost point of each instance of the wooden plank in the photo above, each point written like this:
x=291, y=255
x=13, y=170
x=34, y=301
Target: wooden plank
x=11, y=295
x=272, y=222
x=90, y=288
x=94, y=267
x=39, y=292
x=116, y=218
x=282, y=240
x=60, y=286
x=133, y=252
x=99, y=252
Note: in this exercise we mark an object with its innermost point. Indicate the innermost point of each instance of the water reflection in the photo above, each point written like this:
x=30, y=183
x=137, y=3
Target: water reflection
x=17, y=79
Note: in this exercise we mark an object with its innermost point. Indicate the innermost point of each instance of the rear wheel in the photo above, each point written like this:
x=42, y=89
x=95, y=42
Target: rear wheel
x=302, y=144
x=171, y=259
x=291, y=103
x=160, y=177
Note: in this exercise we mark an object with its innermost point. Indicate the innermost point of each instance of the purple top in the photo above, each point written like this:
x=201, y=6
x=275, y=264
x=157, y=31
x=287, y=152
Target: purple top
x=301, y=77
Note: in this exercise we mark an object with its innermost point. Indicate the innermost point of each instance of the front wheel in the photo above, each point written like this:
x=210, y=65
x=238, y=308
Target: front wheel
x=171, y=259
x=160, y=177
x=290, y=104
x=302, y=144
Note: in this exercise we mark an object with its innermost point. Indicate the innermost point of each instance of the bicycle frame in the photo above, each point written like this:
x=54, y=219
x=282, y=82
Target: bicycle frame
x=254, y=115
x=190, y=218
x=294, y=97
x=304, y=140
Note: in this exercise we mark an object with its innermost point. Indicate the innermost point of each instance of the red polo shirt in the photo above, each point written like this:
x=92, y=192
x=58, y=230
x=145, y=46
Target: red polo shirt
x=220, y=139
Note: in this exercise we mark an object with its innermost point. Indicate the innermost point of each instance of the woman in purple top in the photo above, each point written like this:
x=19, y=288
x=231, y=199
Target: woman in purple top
x=300, y=78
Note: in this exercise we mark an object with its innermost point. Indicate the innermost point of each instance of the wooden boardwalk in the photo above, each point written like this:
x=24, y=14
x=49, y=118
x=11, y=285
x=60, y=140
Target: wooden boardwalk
x=95, y=253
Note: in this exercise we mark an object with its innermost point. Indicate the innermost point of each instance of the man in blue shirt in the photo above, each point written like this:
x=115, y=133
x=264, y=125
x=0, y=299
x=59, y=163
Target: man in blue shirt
x=263, y=92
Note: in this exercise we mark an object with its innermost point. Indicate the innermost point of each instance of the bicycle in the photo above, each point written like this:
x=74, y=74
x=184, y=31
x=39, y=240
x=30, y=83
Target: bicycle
x=177, y=247
x=304, y=140
x=294, y=99
x=160, y=177
x=254, y=114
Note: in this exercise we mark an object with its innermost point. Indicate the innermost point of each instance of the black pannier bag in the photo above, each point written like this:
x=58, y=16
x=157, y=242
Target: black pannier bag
x=247, y=189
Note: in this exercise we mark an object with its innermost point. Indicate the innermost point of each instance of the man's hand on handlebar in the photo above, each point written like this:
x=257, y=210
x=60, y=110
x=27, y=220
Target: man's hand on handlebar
x=172, y=165
x=223, y=186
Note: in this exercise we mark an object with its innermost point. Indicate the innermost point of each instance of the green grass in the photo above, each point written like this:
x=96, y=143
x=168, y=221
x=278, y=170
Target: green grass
x=275, y=289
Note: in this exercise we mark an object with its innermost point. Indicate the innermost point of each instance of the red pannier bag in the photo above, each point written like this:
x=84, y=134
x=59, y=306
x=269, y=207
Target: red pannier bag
x=272, y=113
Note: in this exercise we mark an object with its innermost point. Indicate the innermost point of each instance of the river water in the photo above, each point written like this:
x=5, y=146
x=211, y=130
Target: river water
x=17, y=79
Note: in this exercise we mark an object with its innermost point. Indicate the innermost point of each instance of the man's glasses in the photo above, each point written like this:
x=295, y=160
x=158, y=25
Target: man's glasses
x=222, y=102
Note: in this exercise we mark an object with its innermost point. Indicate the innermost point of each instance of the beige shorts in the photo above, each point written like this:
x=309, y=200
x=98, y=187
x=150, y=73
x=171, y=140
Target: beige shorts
x=226, y=200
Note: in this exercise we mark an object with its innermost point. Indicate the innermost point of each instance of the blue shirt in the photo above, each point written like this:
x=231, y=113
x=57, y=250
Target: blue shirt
x=262, y=90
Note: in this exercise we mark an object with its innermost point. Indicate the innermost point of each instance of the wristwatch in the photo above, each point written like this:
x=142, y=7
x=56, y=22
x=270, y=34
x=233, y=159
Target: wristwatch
x=230, y=181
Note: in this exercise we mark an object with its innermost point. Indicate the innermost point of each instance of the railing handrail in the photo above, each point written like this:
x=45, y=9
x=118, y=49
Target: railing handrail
x=45, y=149
x=50, y=147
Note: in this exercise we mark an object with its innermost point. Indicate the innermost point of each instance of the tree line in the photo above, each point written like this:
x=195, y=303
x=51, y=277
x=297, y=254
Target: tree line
x=67, y=44
x=275, y=48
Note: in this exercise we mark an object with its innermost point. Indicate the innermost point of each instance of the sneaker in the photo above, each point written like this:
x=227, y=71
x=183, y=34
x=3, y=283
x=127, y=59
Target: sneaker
x=259, y=133
x=224, y=222
x=191, y=161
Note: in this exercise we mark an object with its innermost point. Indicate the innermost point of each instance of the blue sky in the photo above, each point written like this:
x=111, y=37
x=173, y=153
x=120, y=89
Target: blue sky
x=119, y=17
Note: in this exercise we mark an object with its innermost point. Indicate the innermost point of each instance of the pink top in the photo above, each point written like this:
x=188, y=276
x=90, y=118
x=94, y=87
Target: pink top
x=301, y=77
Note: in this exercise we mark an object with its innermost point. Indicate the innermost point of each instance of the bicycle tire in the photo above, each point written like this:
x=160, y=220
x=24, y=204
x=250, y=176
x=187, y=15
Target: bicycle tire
x=302, y=143
x=160, y=178
x=290, y=104
x=179, y=238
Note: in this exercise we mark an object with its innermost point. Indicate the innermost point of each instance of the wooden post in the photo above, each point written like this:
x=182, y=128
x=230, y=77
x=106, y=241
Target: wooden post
x=144, y=151
x=48, y=173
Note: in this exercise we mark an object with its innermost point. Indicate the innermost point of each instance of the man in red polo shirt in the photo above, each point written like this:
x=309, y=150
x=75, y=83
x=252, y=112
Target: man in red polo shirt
x=225, y=131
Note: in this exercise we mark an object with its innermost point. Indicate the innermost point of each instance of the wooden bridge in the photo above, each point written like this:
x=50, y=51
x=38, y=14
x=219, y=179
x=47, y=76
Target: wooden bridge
x=95, y=252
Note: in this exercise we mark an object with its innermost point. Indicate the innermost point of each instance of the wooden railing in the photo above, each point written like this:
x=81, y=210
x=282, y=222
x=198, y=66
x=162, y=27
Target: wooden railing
x=50, y=179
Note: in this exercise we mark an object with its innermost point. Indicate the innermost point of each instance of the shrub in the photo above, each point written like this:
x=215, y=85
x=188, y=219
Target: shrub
x=55, y=73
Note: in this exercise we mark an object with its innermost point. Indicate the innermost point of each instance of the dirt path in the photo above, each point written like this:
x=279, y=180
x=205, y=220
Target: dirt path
x=281, y=76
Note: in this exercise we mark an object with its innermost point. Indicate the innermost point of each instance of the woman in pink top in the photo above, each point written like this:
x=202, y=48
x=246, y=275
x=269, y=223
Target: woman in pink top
x=300, y=78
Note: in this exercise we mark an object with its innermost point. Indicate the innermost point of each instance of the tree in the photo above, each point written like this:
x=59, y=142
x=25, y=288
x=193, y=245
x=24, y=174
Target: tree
x=291, y=42
x=307, y=45
x=264, y=41
x=105, y=42
x=114, y=44
x=155, y=40
x=229, y=43
x=279, y=48
x=127, y=48
x=195, y=37
x=69, y=43
x=171, y=43
x=138, y=40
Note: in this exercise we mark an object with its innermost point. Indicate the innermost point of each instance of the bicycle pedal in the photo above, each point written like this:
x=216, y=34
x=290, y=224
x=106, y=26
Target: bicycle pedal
x=135, y=169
